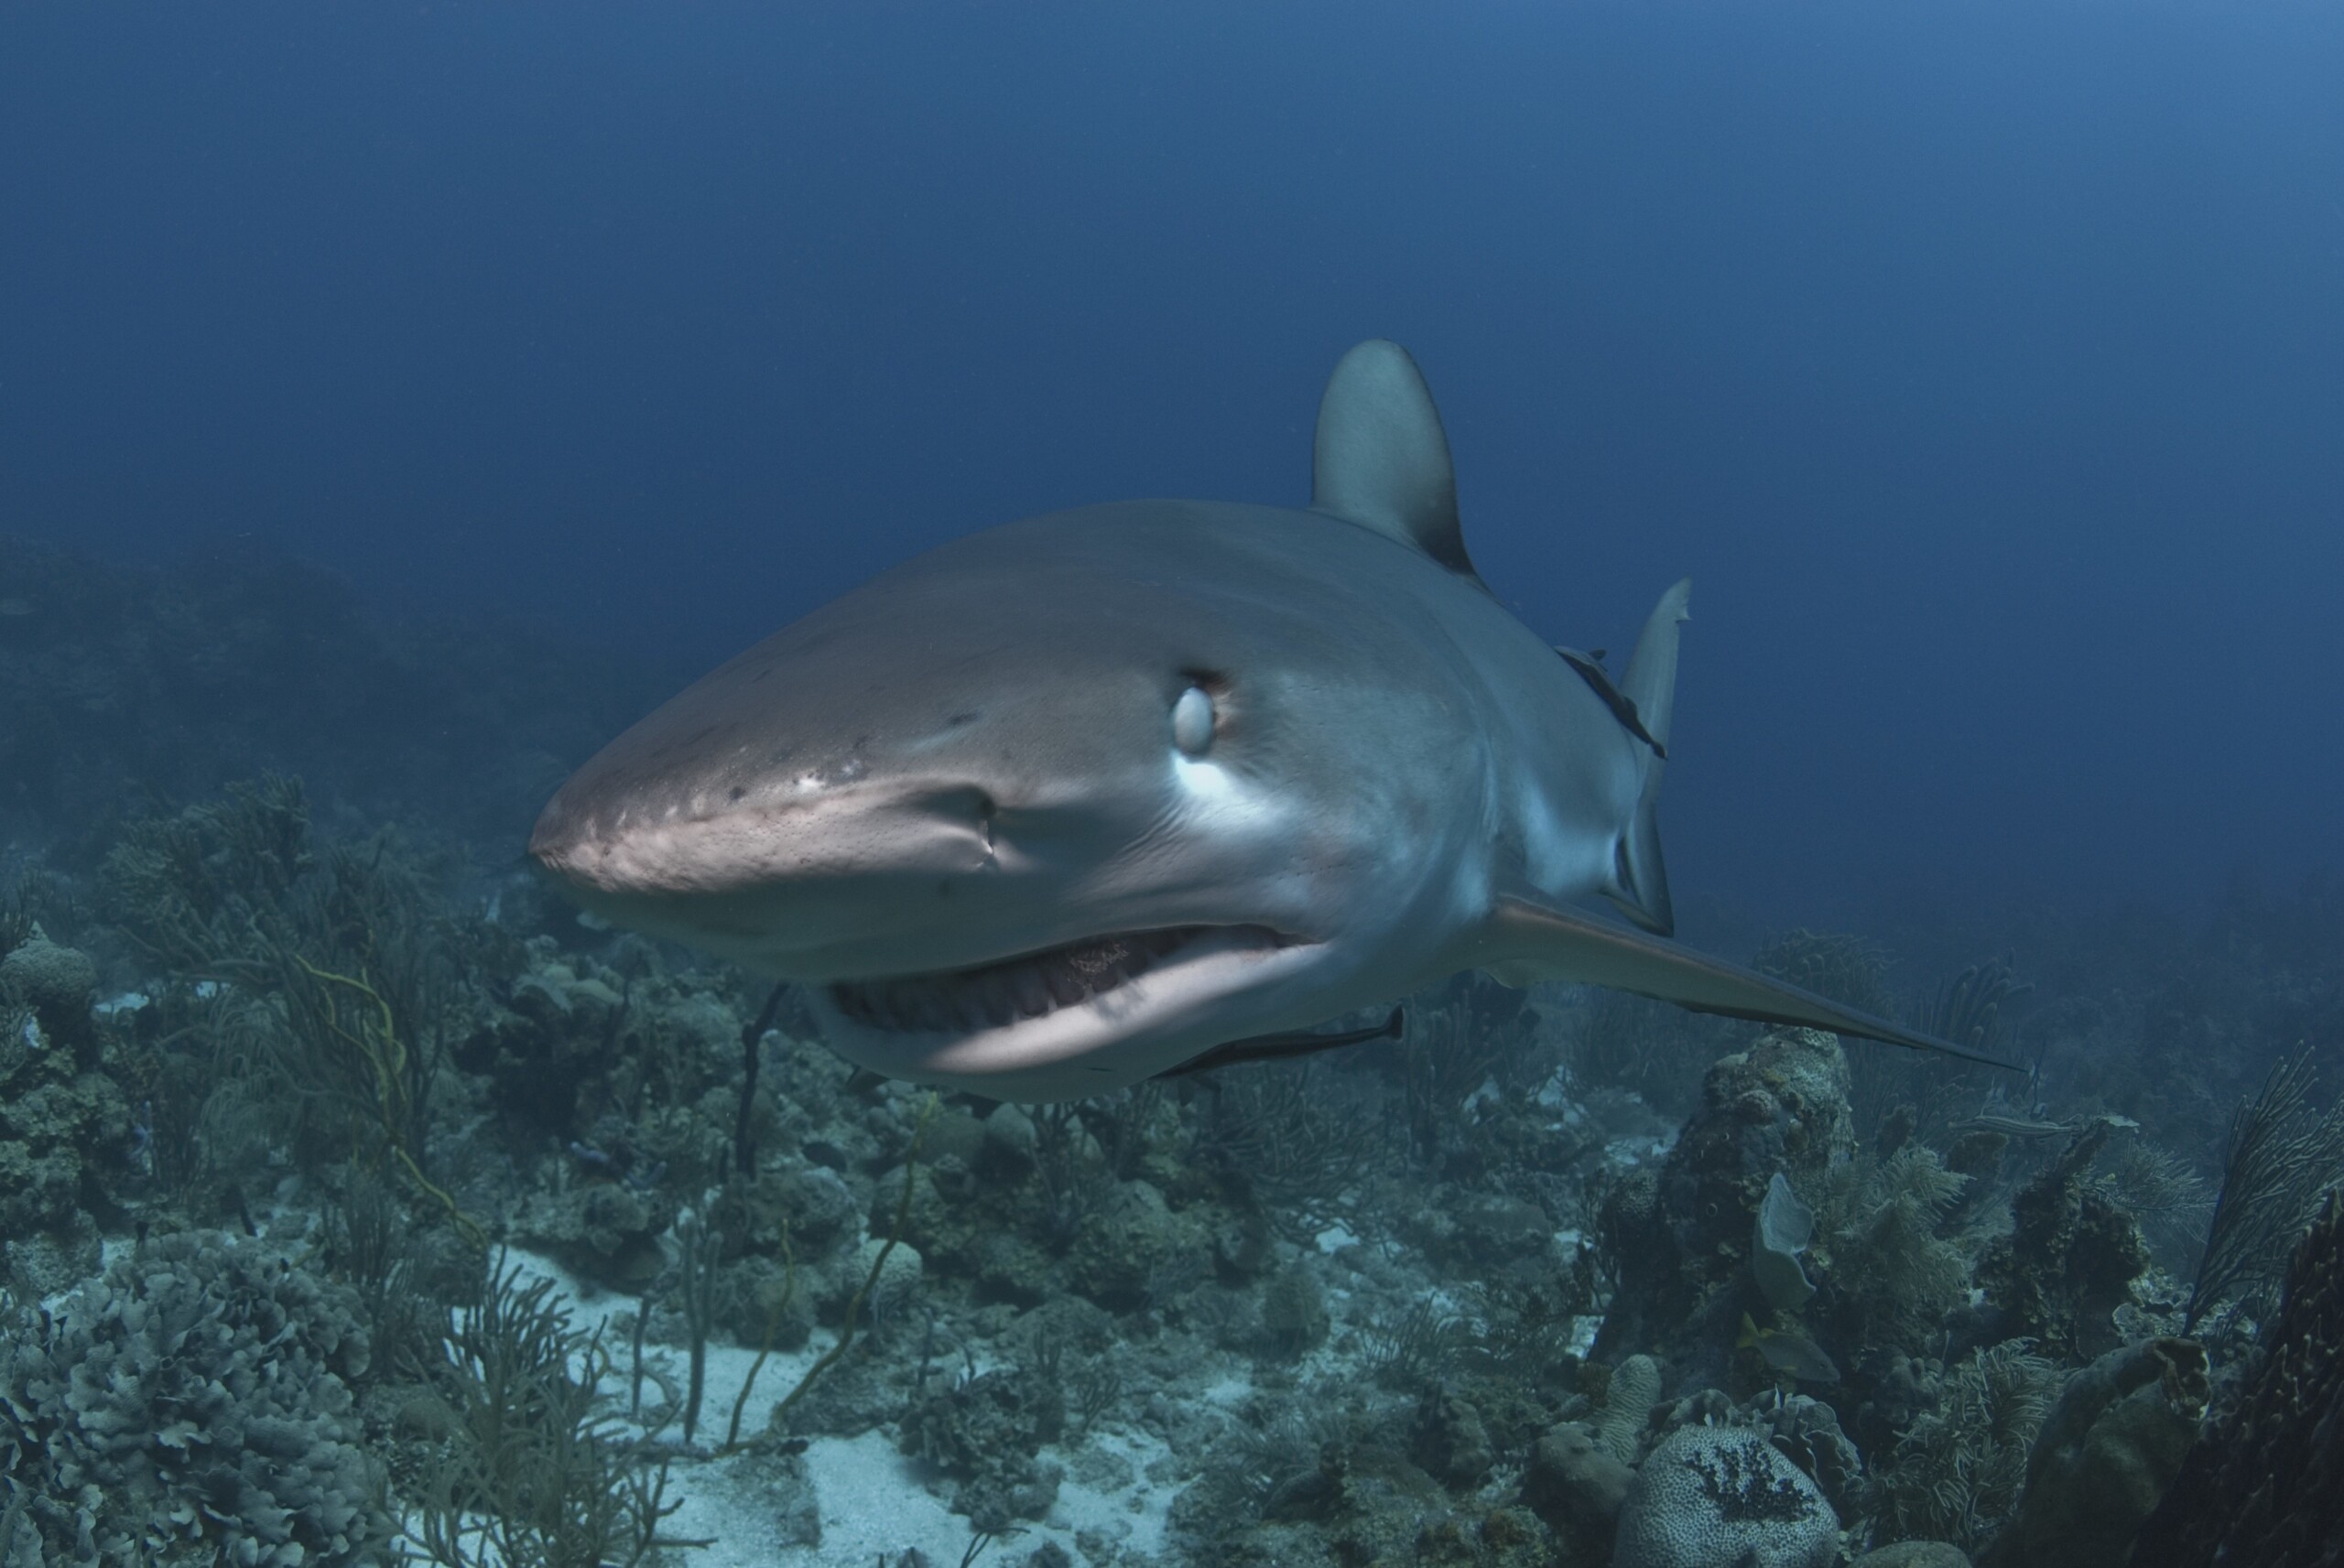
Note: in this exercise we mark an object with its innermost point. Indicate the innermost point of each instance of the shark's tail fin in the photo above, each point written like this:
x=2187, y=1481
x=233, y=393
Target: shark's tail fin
x=1650, y=686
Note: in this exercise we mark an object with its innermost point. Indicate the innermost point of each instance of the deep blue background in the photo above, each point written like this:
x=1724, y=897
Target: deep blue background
x=1983, y=363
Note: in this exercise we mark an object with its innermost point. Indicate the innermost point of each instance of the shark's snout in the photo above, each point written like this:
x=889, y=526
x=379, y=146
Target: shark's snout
x=835, y=882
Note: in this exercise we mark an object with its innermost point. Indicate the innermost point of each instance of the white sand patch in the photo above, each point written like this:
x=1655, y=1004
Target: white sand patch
x=871, y=1498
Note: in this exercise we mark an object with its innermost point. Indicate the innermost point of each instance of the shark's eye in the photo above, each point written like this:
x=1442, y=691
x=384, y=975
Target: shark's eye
x=1193, y=721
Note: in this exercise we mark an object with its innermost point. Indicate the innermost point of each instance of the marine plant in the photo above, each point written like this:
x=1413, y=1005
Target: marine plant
x=1900, y=1095
x=371, y=1247
x=1472, y=1030
x=1274, y=1461
x=332, y=977
x=2281, y=1159
x=531, y=1475
x=1957, y=1473
x=1831, y=964
x=1646, y=1048
x=1411, y=1352
x=2171, y=1200
x=1895, y=1274
x=1286, y=1136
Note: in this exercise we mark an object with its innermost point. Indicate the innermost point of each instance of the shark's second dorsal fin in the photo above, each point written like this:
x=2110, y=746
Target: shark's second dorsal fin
x=1381, y=459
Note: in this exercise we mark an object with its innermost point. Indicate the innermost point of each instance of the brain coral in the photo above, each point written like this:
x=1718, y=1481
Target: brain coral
x=1722, y=1496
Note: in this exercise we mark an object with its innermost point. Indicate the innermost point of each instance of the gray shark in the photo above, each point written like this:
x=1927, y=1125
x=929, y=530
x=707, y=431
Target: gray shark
x=1083, y=799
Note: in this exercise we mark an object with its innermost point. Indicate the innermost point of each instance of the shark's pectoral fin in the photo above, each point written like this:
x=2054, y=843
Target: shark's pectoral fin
x=1528, y=941
x=1380, y=458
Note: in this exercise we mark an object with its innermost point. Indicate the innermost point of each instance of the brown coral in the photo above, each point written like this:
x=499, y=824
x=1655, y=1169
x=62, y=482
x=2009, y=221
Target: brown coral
x=2261, y=1491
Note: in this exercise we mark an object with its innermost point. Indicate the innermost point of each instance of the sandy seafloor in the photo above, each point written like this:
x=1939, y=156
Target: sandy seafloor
x=1119, y=1483
x=1118, y=1487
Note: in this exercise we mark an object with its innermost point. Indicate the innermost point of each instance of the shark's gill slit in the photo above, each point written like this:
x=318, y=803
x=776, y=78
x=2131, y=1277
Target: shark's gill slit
x=998, y=995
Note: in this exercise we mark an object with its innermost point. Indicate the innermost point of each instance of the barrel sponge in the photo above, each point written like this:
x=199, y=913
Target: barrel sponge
x=1723, y=1497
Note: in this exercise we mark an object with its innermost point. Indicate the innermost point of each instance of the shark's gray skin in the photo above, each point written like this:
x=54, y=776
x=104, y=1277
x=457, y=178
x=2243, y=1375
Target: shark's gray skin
x=1072, y=802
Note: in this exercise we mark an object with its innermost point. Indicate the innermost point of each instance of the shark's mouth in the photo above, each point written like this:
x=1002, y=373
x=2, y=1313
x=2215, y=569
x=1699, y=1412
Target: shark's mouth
x=999, y=995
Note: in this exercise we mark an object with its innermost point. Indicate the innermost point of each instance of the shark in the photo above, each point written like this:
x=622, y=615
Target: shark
x=1132, y=789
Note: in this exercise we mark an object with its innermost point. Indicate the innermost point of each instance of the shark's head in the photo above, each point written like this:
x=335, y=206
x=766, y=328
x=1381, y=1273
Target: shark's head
x=1052, y=808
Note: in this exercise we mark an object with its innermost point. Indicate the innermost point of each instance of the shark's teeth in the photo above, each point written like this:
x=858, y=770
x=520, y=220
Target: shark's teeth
x=998, y=995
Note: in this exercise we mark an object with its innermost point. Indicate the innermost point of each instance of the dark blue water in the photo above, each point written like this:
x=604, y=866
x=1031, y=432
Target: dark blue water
x=1984, y=364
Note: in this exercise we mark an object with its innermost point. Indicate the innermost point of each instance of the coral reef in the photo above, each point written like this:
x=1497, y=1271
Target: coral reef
x=1683, y=1242
x=60, y=1116
x=1555, y=1275
x=193, y=1405
x=122, y=684
x=2069, y=1262
x=985, y=1433
x=57, y=984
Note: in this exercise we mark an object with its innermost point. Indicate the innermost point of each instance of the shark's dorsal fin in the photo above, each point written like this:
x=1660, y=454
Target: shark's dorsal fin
x=1381, y=459
x=1530, y=940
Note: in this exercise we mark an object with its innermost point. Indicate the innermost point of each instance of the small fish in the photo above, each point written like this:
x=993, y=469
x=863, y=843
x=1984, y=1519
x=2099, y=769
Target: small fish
x=1787, y=1354
x=2015, y=1126
x=2038, y=1127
